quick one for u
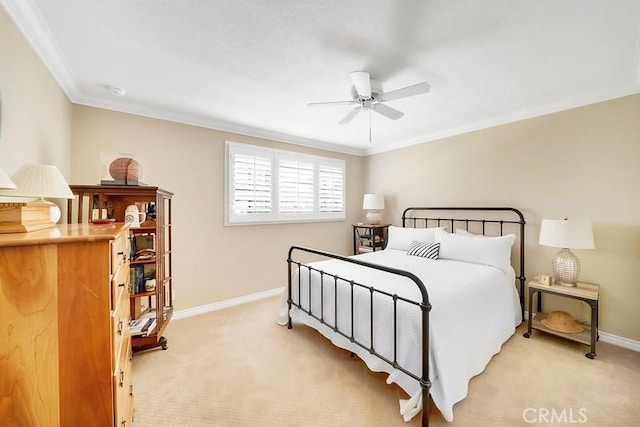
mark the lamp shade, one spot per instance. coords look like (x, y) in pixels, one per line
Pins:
(373, 201)
(39, 181)
(571, 234)
(5, 181)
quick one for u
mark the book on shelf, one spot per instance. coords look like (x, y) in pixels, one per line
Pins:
(365, 249)
(143, 247)
(144, 255)
(137, 279)
(376, 242)
(144, 325)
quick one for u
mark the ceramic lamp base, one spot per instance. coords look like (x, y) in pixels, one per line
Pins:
(374, 217)
(566, 267)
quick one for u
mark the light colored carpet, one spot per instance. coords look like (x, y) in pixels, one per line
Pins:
(237, 367)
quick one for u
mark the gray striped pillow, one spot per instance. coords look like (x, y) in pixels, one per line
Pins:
(424, 250)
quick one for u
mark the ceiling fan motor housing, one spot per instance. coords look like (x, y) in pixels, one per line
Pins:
(376, 91)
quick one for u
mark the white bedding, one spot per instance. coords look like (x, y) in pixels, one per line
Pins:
(475, 309)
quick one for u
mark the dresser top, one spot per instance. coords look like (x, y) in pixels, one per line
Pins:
(66, 233)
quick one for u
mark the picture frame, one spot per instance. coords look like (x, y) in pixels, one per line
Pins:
(544, 279)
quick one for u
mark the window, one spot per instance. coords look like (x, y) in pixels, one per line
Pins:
(268, 185)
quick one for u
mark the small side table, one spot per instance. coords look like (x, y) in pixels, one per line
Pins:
(586, 292)
(369, 237)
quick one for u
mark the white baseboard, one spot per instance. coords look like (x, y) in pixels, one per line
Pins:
(619, 341)
(608, 338)
(207, 308)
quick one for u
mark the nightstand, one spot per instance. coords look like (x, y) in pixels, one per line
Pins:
(586, 292)
(369, 237)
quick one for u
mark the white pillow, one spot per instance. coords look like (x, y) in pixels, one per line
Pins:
(493, 251)
(400, 238)
(464, 232)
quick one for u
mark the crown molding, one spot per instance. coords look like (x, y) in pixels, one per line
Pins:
(30, 23)
(27, 18)
(212, 123)
(506, 119)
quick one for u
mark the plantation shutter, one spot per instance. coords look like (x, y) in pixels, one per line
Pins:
(265, 185)
(296, 187)
(331, 191)
(251, 184)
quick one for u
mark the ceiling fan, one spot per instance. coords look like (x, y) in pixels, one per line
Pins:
(367, 95)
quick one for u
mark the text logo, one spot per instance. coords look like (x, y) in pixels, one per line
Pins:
(555, 415)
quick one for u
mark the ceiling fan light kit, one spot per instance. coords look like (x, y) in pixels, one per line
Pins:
(367, 95)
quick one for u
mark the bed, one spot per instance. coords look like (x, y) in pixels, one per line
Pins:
(430, 322)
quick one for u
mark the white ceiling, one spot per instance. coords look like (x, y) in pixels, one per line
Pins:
(251, 66)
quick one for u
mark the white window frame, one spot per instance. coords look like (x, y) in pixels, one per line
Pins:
(234, 218)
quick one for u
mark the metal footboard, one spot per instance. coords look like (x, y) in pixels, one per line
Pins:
(423, 305)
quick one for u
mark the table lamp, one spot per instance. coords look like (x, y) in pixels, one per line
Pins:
(37, 182)
(567, 235)
(373, 203)
(5, 181)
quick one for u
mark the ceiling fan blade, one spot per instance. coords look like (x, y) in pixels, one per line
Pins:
(329, 104)
(350, 116)
(362, 82)
(387, 111)
(412, 90)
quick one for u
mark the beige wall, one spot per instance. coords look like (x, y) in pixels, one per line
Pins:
(582, 164)
(211, 262)
(35, 124)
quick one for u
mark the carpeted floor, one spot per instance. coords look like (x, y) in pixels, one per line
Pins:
(237, 367)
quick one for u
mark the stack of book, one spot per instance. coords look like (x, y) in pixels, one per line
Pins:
(367, 242)
(144, 325)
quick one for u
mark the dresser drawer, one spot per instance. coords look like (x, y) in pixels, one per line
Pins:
(120, 252)
(123, 389)
(120, 286)
(121, 332)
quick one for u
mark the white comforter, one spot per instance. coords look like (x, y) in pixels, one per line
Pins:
(475, 309)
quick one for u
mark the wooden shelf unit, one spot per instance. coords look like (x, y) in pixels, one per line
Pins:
(113, 200)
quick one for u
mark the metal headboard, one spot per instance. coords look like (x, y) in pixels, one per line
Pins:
(424, 216)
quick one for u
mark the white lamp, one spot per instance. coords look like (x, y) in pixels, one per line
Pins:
(5, 181)
(373, 203)
(34, 181)
(566, 234)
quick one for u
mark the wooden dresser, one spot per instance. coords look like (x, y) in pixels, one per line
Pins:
(65, 347)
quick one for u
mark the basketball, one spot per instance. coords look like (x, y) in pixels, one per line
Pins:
(125, 169)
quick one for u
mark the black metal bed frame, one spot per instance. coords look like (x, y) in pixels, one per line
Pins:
(424, 305)
(501, 222)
